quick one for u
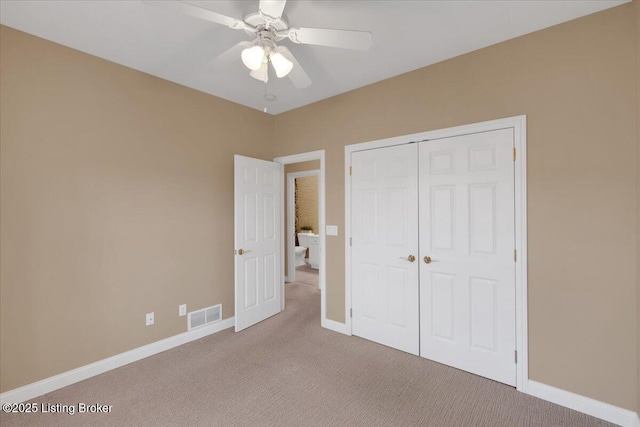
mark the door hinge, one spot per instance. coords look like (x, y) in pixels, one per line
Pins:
(350, 241)
(516, 356)
(351, 312)
(515, 255)
(514, 154)
(350, 170)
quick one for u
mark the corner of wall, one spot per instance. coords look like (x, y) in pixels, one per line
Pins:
(272, 136)
(637, 28)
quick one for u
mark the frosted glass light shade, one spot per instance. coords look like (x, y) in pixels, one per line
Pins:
(281, 64)
(252, 57)
(261, 73)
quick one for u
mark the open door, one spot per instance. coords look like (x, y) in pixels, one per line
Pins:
(258, 274)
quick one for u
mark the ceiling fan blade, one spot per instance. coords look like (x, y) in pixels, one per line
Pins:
(272, 8)
(297, 75)
(347, 39)
(198, 12)
(230, 55)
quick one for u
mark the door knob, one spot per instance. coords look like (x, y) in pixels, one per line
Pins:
(242, 251)
(428, 260)
(411, 258)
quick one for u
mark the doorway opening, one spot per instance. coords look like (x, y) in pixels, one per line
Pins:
(303, 236)
(302, 245)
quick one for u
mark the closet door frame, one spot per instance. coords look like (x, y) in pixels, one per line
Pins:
(519, 126)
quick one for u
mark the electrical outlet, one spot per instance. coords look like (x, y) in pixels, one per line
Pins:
(150, 318)
(182, 310)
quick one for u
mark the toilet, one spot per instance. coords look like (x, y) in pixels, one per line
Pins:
(311, 241)
(301, 251)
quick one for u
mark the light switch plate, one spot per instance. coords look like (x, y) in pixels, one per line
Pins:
(332, 230)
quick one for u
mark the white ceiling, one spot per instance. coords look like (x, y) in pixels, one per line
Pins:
(407, 35)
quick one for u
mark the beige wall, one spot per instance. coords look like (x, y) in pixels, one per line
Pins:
(116, 200)
(575, 82)
(291, 168)
(302, 166)
(307, 202)
(637, 7)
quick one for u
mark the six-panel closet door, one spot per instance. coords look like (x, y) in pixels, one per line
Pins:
(433, 269)
(467, 266)
(384, 206)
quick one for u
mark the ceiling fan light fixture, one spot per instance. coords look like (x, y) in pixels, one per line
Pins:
(268, 26)
(261, 73)
(252, 57)
(281, 64)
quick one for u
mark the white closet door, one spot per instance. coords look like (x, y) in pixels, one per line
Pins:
(385, 236)
(258, 276)
(467, 292)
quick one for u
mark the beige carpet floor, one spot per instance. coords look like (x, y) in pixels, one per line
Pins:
(307, 275)
(288, 371)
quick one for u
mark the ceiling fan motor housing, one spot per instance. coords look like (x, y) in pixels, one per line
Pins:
(266, 40)
(256, 20)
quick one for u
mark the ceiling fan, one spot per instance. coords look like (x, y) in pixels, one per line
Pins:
(269, 26)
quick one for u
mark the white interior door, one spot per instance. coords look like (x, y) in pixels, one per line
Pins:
(467, 291)
(258, 273)
(384, 228)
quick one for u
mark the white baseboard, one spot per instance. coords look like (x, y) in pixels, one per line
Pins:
(335, 326)
(64, 379)
(586, 405)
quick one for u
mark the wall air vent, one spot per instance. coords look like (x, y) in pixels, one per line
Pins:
(205, 316)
